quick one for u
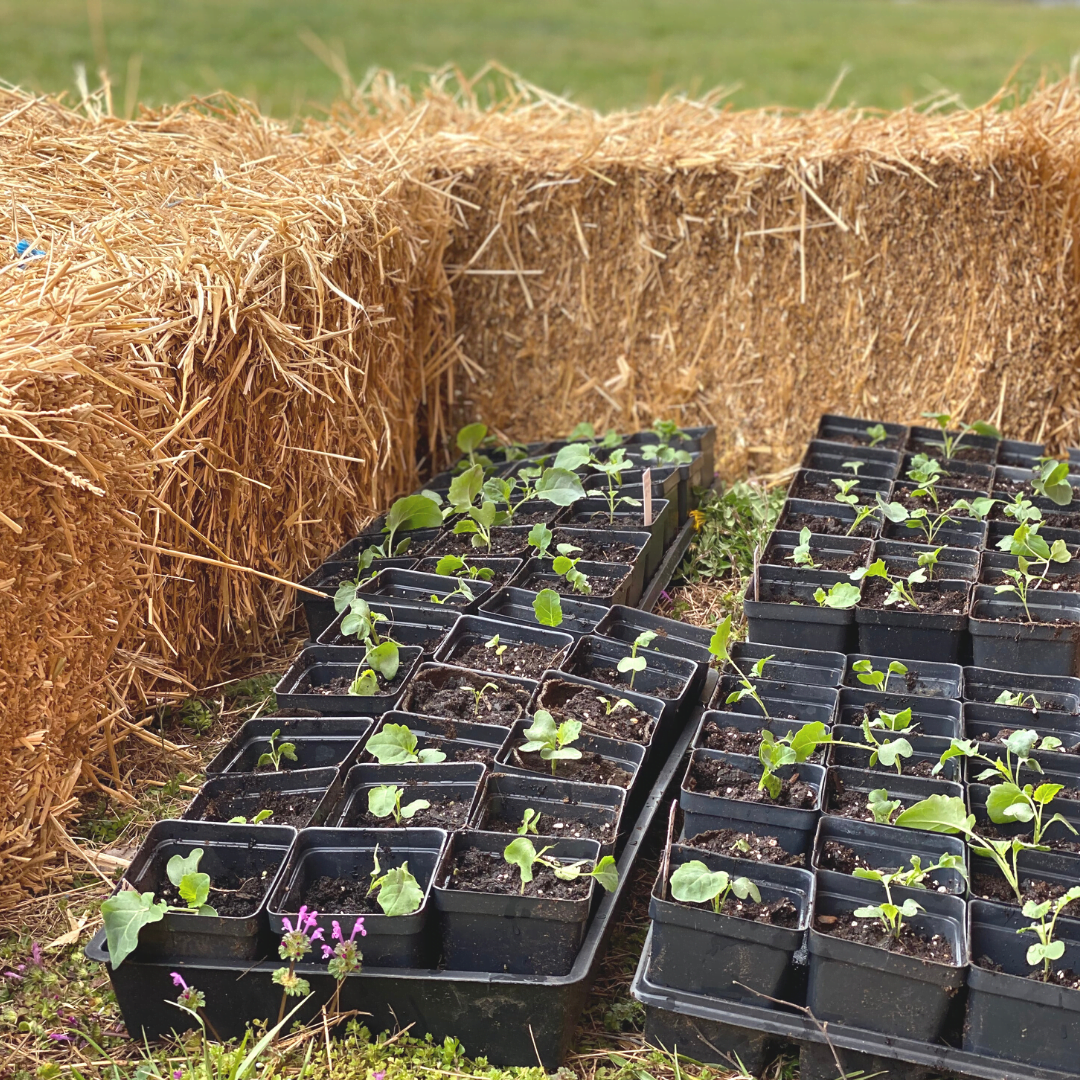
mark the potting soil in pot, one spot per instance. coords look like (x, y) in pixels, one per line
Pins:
(456, 698)
(590, 768)
(709, 776)
(551, 825)
(288, 807)
(526, 660)
(489, 872)
(231, 896)
(624, 722)
(744, 845)
(872, 932)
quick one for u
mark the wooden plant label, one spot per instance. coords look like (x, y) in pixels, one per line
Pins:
(646, 496)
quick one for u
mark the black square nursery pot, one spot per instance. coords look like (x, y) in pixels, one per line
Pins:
(929, 716)
(508, 932)
(320, 742)
(408, 623)
(451, 787)
(985, 723)
(806, 667)
(459, 740)
(834, 427)
(677, 682)
(842, 844)
(902, 558)
(740, 733)
(830, 457)
(973, 450)
(675, 638)
(781, 610)
(868, 987)
(787, 701)
(567, 809)
(348, 856)
(503, 570)
(961, 532)
(247, 860)
(697, 950)
(516, 605)
(539, 648)
(1055, 693)
(916, 635)
(319, 611)
(793, 826)
(838, 554)
(419, 588)
(818, 486)
(612, 545)
(447, 691)
(922, 679)
(826, 519)
(1012, 1016)
(297, 797)
(926, 753)
(611, 583)
(605, 761)
(323, 666)
(1002, 638)
(595, 514)
(847, 789)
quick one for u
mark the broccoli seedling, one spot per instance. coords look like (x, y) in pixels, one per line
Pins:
(456, 566)
(585, 432)
(362, 622)
(524, 856)
(397, 891)
(1033, 558)
(900, 590)
(877, 434)
(897, 721)
(1052, 481)
(1022, 510)
(496, 646)
(951, 443)
(842, 595)
(277, 753)
(478, 695)
(718, 646)
(928, 560)
(889, 753)
(879, 680)
(553, 743)
(791, 749)
(1018, 700)
(125, 913)
(881, 806)
(529, 822)
(547, 607)
(258, 819)
(384, 660)
(800, 555)
(634, 663)
(385, 801)
(694, 883)
(395, 744)
(479, 514)
(927, 474)
(611, 705)
(613, 469)
(540, 537)
(747, 689)
(662, 452)
(1047, 949)
(566, 567)
(889, 914)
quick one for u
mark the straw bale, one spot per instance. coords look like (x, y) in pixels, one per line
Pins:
(755, 269)
(233, 349)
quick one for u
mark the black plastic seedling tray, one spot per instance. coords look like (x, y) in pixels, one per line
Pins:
(511, 1019)
(712, 1030)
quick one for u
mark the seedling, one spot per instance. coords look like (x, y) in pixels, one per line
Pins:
(566, 567)
(891, 915)
(928, 560)
(557, 485)
(547, 607)
(479, 513)
(951, 443)
(877, 434)
(844, 494)
(791, 749)
(862, 512)
(277, 753)
(611, 705)
(258, 819)
(879, 680)
(634, 663)
(881, 806)
(718, 646)
(397, 891)
(524, 856)
(895, 721)
(1052, 481)
(1018, 700)
(127, 912)
(1033, 558)
(469, 440)
(585, 432)
(666, 431)
(553, 743)
(915, 876)
(456, 566)
(613, 470)
(460, 589)
(948, 814)
(801, 556)
(927, 474)
(1046, 950)
(1022, 510)
(496, 647)
(1009, 801)
(385, 801)
(479, 695)
(888, 753)
(384, 660)
(977, 508)
(900, 590)
(395, 744)
(694, 883)
(412, 512)
(529, 822)
(361, 621)
(540, 537)
(842, 595)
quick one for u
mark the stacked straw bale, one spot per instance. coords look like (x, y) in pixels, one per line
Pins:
(231, 349)
(755, 269)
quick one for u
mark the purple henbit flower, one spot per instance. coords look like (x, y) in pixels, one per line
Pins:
(178, 980)
(35, 954)
(57, 1036)
(177, 1074)
(327, 952)
(380, 1075)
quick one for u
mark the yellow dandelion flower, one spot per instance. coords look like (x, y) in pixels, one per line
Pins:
(699, 519)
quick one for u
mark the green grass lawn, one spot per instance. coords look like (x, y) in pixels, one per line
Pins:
(605, 53)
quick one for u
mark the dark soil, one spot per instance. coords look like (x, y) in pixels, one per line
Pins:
(780, 912)
(991, 832)
(444, 813)
(601, 520)
(627, 723)
(852, 804)
(502, 543)
(1065, 977)
(732, 740)
(1003, 734)
(341, 896)
(875, 590)
(827, 526)
(602, 587)
(429, 643)
(740, 845)
(844, 860)
(965, 452)
(910, 766)
(872, 932)
(600, 672)
(526, 660)
(590, 768)
(1052, 519)
(596, 549)
(1056, 583)
(290, 807)
(825, 560)
(1066, 620)
(995, 887)
(552, 825)
(711, 777)
(497, 580)
(854, 439)
(339, 686)
(488, 872)
(460, 751)
(444, 693)
(534, 515)
(231, 896)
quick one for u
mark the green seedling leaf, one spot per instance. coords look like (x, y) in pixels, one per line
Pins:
(398, 892)
(540, 537)
(385, 659)
(694, 883)
(178, 867)
(631, 663)
(718, 644)
(573, 456)
(607, 874)
(1006, 804)
(522, 854)
(382, 801)
(559, 487)
(548, 608)
(194, 889)
(366, 684)
(470, 437)
(881, 806)
(841, 596)
(413, 512)
(124, 916)
(395, 744)
(938, 813)
(450, 564)
(530, 821)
